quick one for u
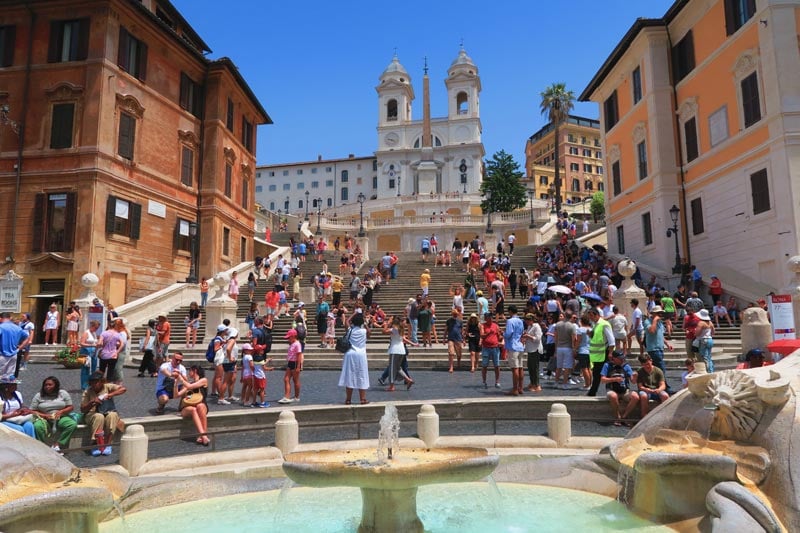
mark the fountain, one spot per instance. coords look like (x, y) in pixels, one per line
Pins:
(389, 481)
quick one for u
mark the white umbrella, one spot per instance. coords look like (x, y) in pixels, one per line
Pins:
(560, 289)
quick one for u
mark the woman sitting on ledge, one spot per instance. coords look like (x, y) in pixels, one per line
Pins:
(187, 388)
(53, 407)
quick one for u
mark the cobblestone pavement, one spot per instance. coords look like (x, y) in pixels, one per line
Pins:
(318, 388)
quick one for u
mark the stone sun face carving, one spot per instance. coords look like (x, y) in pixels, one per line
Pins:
(739, 409)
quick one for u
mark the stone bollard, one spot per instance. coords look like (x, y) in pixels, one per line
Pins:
(133, 449)
(559, 424)
(756, 329)
(428, 425)
(287, 432)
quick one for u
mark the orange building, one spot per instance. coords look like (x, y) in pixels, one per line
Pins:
(118, 140)
(580, 159)
(699, 111)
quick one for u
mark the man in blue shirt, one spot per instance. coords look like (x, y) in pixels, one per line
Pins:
(426, 248)
(617, 376)
(12, 338)
(515, 350)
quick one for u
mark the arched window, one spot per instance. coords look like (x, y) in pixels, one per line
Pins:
(576, 184)
(416, 143)
(300, 204)
(462, 103)
(391, 109)
(437, 141)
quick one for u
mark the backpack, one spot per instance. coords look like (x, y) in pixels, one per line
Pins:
(210, 353)
(301, 330)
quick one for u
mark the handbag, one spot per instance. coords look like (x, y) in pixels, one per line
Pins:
(343, 343)
(192, 398)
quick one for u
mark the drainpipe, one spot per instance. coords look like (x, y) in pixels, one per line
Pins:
(682, 199)
(200, 159)
(21, 138)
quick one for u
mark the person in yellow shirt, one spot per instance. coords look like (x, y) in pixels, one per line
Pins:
(424, 281)
(336, 288)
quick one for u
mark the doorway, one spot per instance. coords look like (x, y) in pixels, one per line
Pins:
(51, 291)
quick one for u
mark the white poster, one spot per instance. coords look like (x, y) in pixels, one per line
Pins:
(782, 316)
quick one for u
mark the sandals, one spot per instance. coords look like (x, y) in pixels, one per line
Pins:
(364, 402)
(203, 440)
(347, 402)
(409, 383)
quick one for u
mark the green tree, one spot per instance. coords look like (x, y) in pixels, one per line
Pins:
(598, 205)
(501, 186)
(556, 103)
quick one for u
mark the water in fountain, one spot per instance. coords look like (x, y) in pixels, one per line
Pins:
(389, 433)
(702, 422)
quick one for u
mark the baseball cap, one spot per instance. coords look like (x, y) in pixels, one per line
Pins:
(656, 309)
(488, 315)
(247, 346)
(292, 333)
(618, 354)
(221, 328)
(233, 332)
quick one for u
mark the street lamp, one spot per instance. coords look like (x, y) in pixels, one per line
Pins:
(531, 194)
(674, 211)
(193, 251)
(319, 213)
(306, 217)
(361, 199)
(489, 229)
(551, 195)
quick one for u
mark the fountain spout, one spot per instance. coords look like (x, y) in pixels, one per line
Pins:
(389, 433)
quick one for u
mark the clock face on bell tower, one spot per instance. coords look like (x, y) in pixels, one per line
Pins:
(391, 139)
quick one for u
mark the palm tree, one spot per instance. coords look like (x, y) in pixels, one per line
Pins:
(556, 103)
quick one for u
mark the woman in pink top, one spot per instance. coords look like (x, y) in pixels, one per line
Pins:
(294, 365)
(110, 344)
(233, 287)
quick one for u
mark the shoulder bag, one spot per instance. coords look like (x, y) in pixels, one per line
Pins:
(343, 343)
(192, 398)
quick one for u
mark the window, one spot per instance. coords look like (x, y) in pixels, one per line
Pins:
(611, 111)
(543, 180)
(182, 241)
(330, 202)
(299, 171)
(344, 194)
(462, 103)
(641, 157)
(374, 165)
(54, 219)
(576, 185)
(285, 172)
(247, 134)
(228, 186)
(751, 105)
(61, 126)
(132, 55)
(271, 174)
(187, 166)
(391, 183)
(328, 169)
(272, 206)
(696, 207)
(243, 249)
(69, 40)
(226, 241)
(598, 155)
(759, 187)
(574, 167)
(616, 178)
(127, 135)
(584, 141)
(620, 240)
(587, 153)
(273, 188)
(391, 110)
(315, 185)
(588, 185)
(597, 143)
(636, 82)
(573, 150)
(647, 229)
(300, 204)
(245, 194)
(570, 138)
(598, 170)
(690, 138)
(329, 183)
(601, 186)
(737, 12)
(123, 217)
(286, 204)
(374, 182)
(587, 168)
(229, 116)
(345, 176)
(301, 185)
(259, 188)
(8, 36)
(314, 170)
(191, 96)
(287, 186)
(683, 57)
(718, 125)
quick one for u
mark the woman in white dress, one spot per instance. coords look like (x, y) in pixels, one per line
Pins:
(355, 372)
(50, 326)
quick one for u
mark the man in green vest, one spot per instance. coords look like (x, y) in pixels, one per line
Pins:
(601, 344)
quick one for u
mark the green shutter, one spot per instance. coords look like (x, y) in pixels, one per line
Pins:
(136, 220)
(111, 209)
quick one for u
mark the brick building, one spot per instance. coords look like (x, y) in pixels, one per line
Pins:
(119, 139)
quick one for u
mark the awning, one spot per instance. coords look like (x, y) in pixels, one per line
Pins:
(54, 295)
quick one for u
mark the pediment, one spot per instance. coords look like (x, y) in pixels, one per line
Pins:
(51, 261)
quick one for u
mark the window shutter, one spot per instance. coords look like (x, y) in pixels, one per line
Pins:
(10, 34)
(111, 209)
(61, 127)
(142, 61)
(83, 39)
(184, 97)
(127, 132)
(56, 35)
(39, 210)
(136, 220)
(70, 221)
(176, 235)
(730, 17)
(122, 49)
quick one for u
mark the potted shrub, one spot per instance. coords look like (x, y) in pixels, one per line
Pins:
(70, 357)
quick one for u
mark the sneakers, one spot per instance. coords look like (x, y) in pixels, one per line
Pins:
(485, 386)
(233, 399)
(264, 404)
(382, 381)
(56, 448)
(285, 400)
(96, 452)
(107, 450)
(223, 401)
(497, 385)
(297, 400)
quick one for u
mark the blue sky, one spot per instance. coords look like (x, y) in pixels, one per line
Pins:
(314, 65)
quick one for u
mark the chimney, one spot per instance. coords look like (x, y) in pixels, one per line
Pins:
(351, 156)
(319, 157)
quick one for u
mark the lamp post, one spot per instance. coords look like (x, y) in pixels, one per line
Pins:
(531, 194)
(361, 199)
(674, 211)
(319, 214)
(193, 251)
(551, 195)
(306, 217)
(398, 185)
(489, 229)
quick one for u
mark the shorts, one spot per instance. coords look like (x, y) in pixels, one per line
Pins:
(490, 353)
(626, 396)
(248, 380)
(516, 359)
(474, 345)
(163, 392)
(259, 383)
(353, 295)
(669, 316)
(291, 365)
(565, 358)
(229, 367)
(583, 361)
(651, 396)
(426, 250)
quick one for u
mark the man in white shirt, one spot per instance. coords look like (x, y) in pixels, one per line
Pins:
(510, 240)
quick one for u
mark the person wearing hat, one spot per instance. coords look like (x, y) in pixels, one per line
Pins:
(483, 305)
(654, 337)
(617, 375)
(753, 359)
(100, 413)
(703, 337)
(424, 282)
(294, 366)
(15, 415)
